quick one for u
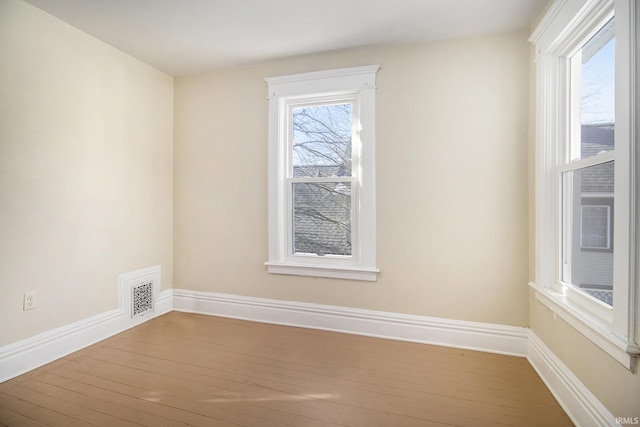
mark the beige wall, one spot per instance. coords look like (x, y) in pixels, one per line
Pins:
(612, 384)
(86, 185)
(452, 126)
(85, 171)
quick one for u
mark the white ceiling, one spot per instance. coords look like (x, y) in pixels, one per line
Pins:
(183, 37)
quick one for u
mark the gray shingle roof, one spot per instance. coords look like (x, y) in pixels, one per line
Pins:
(595, 139)
(322, 214)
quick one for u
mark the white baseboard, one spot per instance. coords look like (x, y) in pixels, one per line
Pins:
(510, 340)
(25, 355)
(163, 303)
(579, 403)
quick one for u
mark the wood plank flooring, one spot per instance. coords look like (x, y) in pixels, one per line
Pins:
(185, 369)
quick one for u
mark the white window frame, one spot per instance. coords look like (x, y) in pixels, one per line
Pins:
(567, 24)
(356, 85)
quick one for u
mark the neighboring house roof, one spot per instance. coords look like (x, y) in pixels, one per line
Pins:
(322, 213)
(595, 139)
(596, 136)
(314, 171)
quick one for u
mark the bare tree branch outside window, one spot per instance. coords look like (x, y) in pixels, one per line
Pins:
(322, 144)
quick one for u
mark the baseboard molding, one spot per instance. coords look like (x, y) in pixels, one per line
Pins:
(579, 403)
(509, 340)
(163, 303)
(25, 355)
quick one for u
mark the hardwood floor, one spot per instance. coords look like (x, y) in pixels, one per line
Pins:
(185, 369)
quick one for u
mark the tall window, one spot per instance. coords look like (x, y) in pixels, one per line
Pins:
(587, 204)
(587, 171)
(321, 174)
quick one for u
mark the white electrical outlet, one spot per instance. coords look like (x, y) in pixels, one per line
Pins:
(29, 302)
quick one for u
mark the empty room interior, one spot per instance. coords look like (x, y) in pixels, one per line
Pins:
(411, 212)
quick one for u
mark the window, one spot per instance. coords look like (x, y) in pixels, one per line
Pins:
(321, 174)
(586, 209)
(320, 177)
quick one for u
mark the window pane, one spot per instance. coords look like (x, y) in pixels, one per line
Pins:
(322, 218)
(595, 227)
(588, 230)
(597, 99)
(322, 140)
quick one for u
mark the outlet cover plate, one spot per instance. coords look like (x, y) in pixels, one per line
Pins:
(29, 301)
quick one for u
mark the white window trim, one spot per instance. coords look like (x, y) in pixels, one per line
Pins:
(358, 83)
(615, 330)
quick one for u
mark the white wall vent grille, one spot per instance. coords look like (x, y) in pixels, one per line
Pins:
(141, 299)
(137, 291)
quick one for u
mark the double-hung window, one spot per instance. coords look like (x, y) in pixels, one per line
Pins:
(587, 169)
(321, 174)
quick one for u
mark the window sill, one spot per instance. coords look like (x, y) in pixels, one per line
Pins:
(367, 274)
(593, 328)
